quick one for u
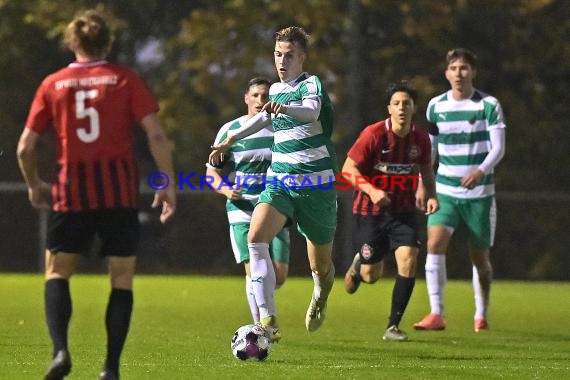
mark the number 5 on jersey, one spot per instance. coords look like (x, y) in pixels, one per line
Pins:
(87, 136)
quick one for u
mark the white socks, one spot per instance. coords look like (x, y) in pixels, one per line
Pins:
(323, 286)
(251, 299)
(262, 278)
(482, 290)
(436, 278)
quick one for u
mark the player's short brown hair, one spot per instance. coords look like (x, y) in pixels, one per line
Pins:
(293, 34)
(462, 54)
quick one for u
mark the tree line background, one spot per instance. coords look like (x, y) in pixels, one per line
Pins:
(198, 55)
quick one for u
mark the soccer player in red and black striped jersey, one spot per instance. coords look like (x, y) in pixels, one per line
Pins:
(93, 107)
(382, 166)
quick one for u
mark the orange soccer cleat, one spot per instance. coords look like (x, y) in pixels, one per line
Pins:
(431, 322)
(481, 325)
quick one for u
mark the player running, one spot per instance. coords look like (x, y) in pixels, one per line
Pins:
(388, 154)
(302, 154)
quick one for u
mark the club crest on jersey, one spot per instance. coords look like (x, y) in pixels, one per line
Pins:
(413, 152)
(280, 123)
(366, 251)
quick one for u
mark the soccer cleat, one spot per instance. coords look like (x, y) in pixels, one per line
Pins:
(316, 314)
(274, 333)
(317, 311)
(60, 366)
(481, 325)
(431, 322)
(395, 334)
(107, 374)
(352, 279)
(269, 323)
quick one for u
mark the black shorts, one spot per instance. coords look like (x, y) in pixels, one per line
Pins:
(74, 232)
(373, 236)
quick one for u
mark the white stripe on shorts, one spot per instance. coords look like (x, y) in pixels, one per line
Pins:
(493, 221)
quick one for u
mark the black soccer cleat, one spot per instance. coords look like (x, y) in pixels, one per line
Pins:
(60, 366)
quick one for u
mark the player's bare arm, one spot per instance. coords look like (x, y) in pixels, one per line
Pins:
(420, 197)
(38, 190)
(161, 150)
(226, 190)
(218, 151)
(352, 173)
(429, 194)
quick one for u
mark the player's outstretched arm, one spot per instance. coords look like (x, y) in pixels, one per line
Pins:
(252, 125)
(218, 151)
(308, 111)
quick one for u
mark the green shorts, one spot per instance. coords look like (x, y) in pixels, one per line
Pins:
(478, 215)
(278, 249)
(313, 209)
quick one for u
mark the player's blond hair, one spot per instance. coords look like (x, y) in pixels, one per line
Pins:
(88, 33)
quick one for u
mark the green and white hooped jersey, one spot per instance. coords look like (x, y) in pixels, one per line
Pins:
(463, 140)
(302, 152)
(247, 161)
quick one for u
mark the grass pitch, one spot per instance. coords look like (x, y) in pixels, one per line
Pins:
(182, 328)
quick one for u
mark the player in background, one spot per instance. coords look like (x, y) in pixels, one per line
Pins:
(245, 166)
(302, 157)
(382, 166)
(92, 106)
(468, 135)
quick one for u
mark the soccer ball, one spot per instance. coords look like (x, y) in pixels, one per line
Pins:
(251, 342)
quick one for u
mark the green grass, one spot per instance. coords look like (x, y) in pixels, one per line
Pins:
(182, 328)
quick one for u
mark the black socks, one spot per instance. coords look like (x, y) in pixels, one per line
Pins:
(401, 295)
(117, 318)
(117, 321)
(58, 311)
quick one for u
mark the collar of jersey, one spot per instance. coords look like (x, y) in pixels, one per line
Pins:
(300, 78)
(88, 64)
